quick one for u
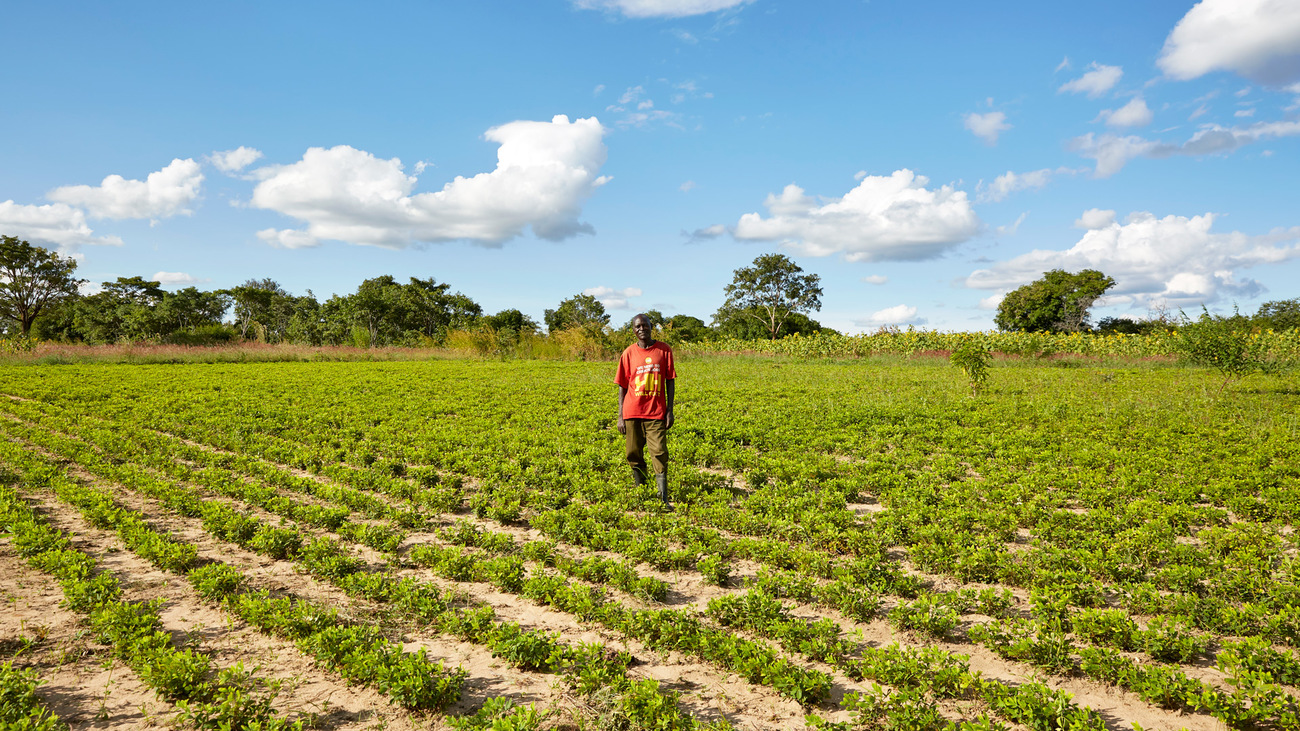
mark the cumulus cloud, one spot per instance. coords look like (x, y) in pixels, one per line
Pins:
(1134, 114)
(613, 299)
(896, 315)
(163, 193)
(232, 161)
(660, 8)
(172, 279)
(1112, 153)
(1095, 218)
(875, 279)
(987, 127)
(1013, 182)
(1258, 39)
(1176, 258)
(544, 173)
(884, 218)
(56, 224)
(1097, 81)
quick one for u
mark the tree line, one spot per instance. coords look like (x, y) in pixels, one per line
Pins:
(40, 298)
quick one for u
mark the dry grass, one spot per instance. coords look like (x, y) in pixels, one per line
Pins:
(135, 353)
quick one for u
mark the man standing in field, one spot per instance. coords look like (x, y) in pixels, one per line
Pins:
(645, 403)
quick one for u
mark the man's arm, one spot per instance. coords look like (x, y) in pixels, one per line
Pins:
(668, 421)
(622, 425)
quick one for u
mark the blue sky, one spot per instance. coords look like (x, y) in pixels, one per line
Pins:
(922, 158)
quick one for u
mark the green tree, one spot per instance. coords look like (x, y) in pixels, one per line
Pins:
(262, 307)
(580, 310)
(124, 309)
(770, 291)
(32, 280)
(752, 326)
(512, 320)
(1058, 302)
(685, 329)
(1279, 314)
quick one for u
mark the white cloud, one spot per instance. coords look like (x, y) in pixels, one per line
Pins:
(171, 279)
(896, 315)
(57, 224)
(164, 193)
(1011, 228)
(232, 161)
(1200, 111)
(1243, 91)
(1244, 113)
(660, 8)
(992, 301)
(1064, 65)
(288, 238)
(1095, 218)
(1111, 153)
(883, 218)
(1134, 114)
(1258, 39)
(545, 171)
(1175, 258)
(613, 299)
(987, 127)
(596, 91)
(1011, 182)
(1099, 80)
(687, 187)
(875, 279)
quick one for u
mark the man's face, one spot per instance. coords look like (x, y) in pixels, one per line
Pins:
(641, 327)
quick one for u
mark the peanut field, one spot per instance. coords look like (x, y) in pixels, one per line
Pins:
(457, 544)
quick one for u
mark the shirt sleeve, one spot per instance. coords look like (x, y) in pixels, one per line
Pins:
(670, 372)
(621, 376)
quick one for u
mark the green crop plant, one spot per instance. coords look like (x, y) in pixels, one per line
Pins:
(973, 357)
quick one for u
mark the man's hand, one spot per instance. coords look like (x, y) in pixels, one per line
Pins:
(622, 426)
(668, 421)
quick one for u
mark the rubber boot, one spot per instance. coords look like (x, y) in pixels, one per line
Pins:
(638, 476)
(661, 482)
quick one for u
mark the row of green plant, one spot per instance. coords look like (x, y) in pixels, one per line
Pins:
(1272, 617)
(208, 698)
(20, 706)
(409, 679)
(1113, 487)
(360, 651)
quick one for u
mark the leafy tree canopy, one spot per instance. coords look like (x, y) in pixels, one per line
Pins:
(1058, 302)
(1279, 314)
(770, 292)
(32, 280)
(580, 310)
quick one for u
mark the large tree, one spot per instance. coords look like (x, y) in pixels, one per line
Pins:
(770, 291)
(580, 310)
(32, 279)
(1058, 302)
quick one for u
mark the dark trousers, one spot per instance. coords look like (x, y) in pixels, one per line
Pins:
(647, 438)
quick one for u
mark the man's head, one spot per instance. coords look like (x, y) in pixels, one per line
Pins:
(642, 328)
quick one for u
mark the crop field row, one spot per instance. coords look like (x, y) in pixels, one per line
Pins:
(454, 544)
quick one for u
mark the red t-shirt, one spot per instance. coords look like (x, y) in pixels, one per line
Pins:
(645, 373)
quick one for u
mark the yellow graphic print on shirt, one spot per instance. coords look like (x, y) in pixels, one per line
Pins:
(647, 382)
